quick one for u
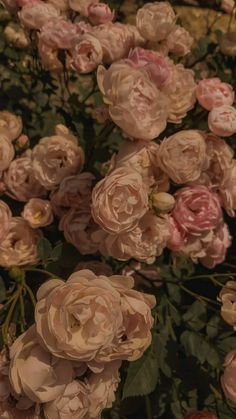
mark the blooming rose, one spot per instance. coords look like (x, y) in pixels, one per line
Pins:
(228, 299)
(81, 6)
(35, 15)
(200, 414)
(38, 212)
(119, 200)
(197, 210)
(228, 44)
(35, 373)
(179, 41)
(155, 20)
(180, 89)
(94, 318)
(183, 156)
(49, 58)
(11, 123)
(9, 411)
(55, 158)
(144, 243)
(228, 6)
(5, 218)
(135, 104)
(228, 378)
(227, 190)
(177, 238)
(216, 249)
(19, 246)
(87, 54)
(58, 33)
(99, 13)
(6, 151)
(212, 93)
(72, 404)
(151, 62)
(222, 121)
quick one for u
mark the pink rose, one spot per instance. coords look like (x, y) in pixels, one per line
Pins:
(228, 299)
(5, 218)
(99, 13)
(135, 104)
(200, 414)
(222, 121)
(20, 180)
(155, 20)
(94, 318)
(35, 373)
(228, 6)
(19, 246)
(58, 33)
(228, 44)
(197, 210)
(227, 190)
(11, 123)
(182, 156)
(151, 62)
(38, 213)
(177, 237)
(81, 6)
(212, 93)
(86, 54)
(34, 16)
(216, 249)
(7, 151)
(228, 378)
(119, 200)
(179, 41)
(49, 58)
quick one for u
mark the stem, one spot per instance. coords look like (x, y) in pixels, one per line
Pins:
(22, 310)
(31, 295)
(148, 407)
(6, 324)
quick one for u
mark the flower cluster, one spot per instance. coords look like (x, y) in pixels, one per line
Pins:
(67, 364)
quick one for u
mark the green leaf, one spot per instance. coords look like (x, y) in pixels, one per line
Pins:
(56, 252)
(212, 328)
(196, 315)
(2, 290)
(198, 347)
(44, 249)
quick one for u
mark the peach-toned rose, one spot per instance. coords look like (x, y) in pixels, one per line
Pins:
(228, 6)
(61, 5)
(212, 93)
(73, 192)
(228, 299)
(5, 218)
(228, 378)
(183, 156)
(9, 411)
(102, 388)
(222, 121)
(20, 180)
(94, 318)
(11, 123)
(197, 210)
(72, 404)
(6, 151)
(217, 248)
(87, 53)
(97, 267)
(22, 3)
(179, 41)
(16, 35)
(34, 16)
(99, 13)
(155, 20)
(38, 212)
(119, 200)
(35, 373)
(56, 157)
(49, 58)
(180, 89)
(81, 6)
(19, 246)
(200, 414)
(58, 33)
(144, 243)
(227, 190)
(135, 104)
(228, 44)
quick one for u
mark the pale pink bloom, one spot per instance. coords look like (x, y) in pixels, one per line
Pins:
(20, 180)
(119, 200)
(34, 16)
(73, 403)
(182, 156)
(56, 157)
(81, 6)
(99, 13)
(228, 378)
(227, 190)
(5, 218)
(62, 5)
(87, 54)
(155, 20)
(179, 41)
(135, 104)
(180, 89)
(222, 121)
(102, 388)
(151, 62)
(197, 210)
(49, 58)
(212, 93)
(228, 6)
(195, 247)
(7, 151)
(73, 192)
(144, 243)
(38, 212)
(177, 238)
(228, 299)
(11, 123)
(59, 33)
(217, 248)
(200, 414)
(228, 44)
(138, 39)
(94, 318)
(97, 267)
(19, 246)
(16, 35)
(35, 373)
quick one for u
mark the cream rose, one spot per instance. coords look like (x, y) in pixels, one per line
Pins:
(212, 93)
(179, 41)
(228, 299)
(6, 151)
(227, 190)
(222, 121)
(155, 20)
(58, 33)
(11, 123)
(35, 15)
(228, 378)
(38, 213)
(5, 219)
(87, 53)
